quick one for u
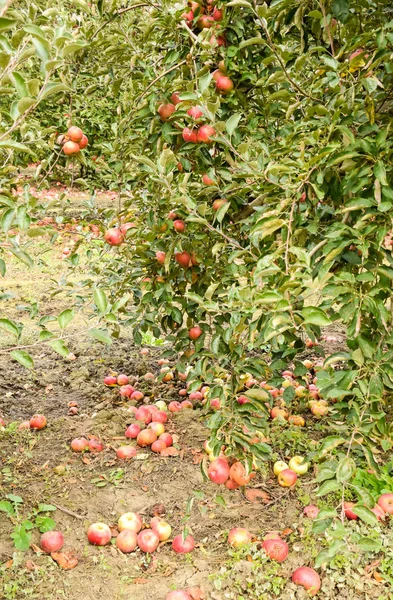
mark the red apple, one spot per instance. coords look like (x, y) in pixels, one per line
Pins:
(95, 445)
(218, 203)
(23, 425)
(196, 395)
(179, 226)
(207, 181)
(125, 452)
(174, 406)
(188, 16)
(183, 545)
(349, 512)
(287, 478)
(239, 537)
(276, 549)
(183, 258)
(126, 541)
(205, 22)
(114, 236)
(158, 428)
(378, 512)
(166, 110)
(215, 403)
(238, 474)
(122, 379)
(311, 511)
(205, 133)
(167, 439)
(51, 541)
(148, 540)
(126, 391)
(99, 534)
(224, 84)
(84, 142)
(160, 256)
(186, 404)
(133, 431)
(75, 134)
(178, 595)
(190, 135)
(307, 578)
(175, 99)
(143, 414)
(217, 14)
(386, 503)
(218, 471)
(243, 400)
(162, 528)
(195, 112)
(38, 422)
(131, 521)
(195, 332)
(159, 416)
(110, 380)
(147, 437)
(79, 444)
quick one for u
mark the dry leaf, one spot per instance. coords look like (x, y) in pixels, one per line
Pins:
(196, 593)
(256, 496)
(171, 451)
(30, 566)
(36, 549)
(65, 560)
(86, 460)
(140, 581)
(8, 564)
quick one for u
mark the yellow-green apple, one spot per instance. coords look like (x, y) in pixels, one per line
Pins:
(238, 537)
(298, 465)
(279, 466)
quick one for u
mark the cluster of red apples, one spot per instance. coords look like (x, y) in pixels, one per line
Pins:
(73, 141)
(133, 534)
(36, 422)
(205, 15)
(220, 471)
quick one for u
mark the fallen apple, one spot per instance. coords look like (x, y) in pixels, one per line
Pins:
(287, 478)
(125, 452)
(51, 541)
(126, 541)
(131, 521)
(79, 444)
(385, 501)
(298, 465)
(307, 578)
(99, 534)
(219, 471)
(162, 528)
(148, 540)
(38, 422)
(276, 549)
(133, 431)
(183, 545)
(238, 537)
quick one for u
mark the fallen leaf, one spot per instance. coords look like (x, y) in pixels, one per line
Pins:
(140, 581)
(196, 593)
(30, 566)
(144, 488)
(65, 560)
(378, 577)
(86, 460)
(157, 510)
(8, 564)
(36, 549)
(171, 451)
(256, 496)
(286, 532)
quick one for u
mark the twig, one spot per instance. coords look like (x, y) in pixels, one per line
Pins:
(121, 12)
(180, 64)
(184, 25)
(68, 511)
(329, 32)
(289, 234)
(5, 8)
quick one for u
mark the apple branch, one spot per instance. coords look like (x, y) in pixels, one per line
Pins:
(180, 64)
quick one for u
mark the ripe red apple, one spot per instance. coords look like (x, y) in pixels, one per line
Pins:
(243, 400)
(215, 404)
(183, 259)
(217, 14)
(287, 478)
(143, 414)
(195, 332)
(238, 474)
(75, 134)
(126, 541)
(205, 133)
(114, 236)
(162, 528)
(207, 181)
(159, 416)
(133, 431)
(218, 471)
(231, 485)
(311, 511)
(122, 379)
(125, 452)
(195, 112)
(174, 406)
(179, 226)
(23, 425)
(158, 428)
(158, 446)
(307, 578)
(218, 203)
(196, 395)
(71, 148)
(146, 438)
(167, 439)
(348, 506)
(99, 534)
(188, 16)
(95, 445)
(166, 110)
(276, 549)
(79, 444)
(178, 595)
(190, 135)
(136, 395)
(205, 22)
(126, 391)
(148, 540)
(186, 404)
(183, 545)
(160, 256)
(51, 541)
(378, 512)
(131, 521)
(175, 99)
(238, 537)
(84, 142)
(224, 84)
(386, 503)
(38, 422)
(110, 380)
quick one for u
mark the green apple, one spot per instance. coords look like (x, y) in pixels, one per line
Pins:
(161, 405)
(279, 466)
(298, 465)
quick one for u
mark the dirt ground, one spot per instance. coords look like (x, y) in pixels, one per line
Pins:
(40, 468)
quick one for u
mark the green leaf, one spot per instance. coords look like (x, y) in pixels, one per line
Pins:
(232, 123)
(23, 358)
(222, 211)
(7, 219)
(9, 327)
(21, 537)
(340, 10)
(346, 470)
(65, 317)
(59, 347)
(53, 88)
(257, 394)
(15, 146)
(315, 316)
(6, 24)
(327, 487)
(204, 82)
(45, 524)
(369, 545)
(101, 335)
(24, 104)
(100, 300)
(380, 172)
(46, 508)
(364, 496)
(42, 49)
(3, 267)
(365, 514)
(20, 84)
(7, 507)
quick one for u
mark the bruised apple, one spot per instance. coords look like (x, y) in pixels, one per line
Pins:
(276, 549)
